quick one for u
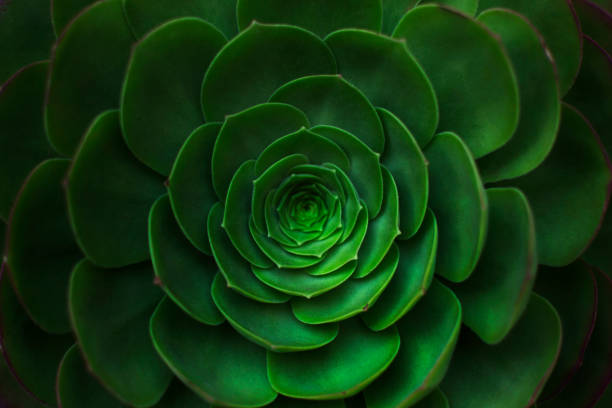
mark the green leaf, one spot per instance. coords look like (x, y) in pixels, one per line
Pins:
(40, 247)
(567, 209)
(190, 185)
(595, 25)
(332, 371)
(351, 206)
(411, 279)
(179, 396)
(352, 297)
(428, 336)
(253, 130)
(331, 100)
(109, 195)
(559, 27)
(393, 11)
(383, 69)
(11, 392)
(382, 230)
(23, 142)
(404, 159)
(160, 97)
(77, 388)
(31, 354)
(480, 373)
(143, 15)
(272, 326)
(87, 68)
(298, 283)
(319, 16)
(364, 173)
(539, 98)
(572, 290)
(22, 45)
(234, 268)
(459, 54)
(462, 224)
(436, 399)
(111, 327)
(284, 402)
(496, 294)
(468, 7)
(214, 361)
(64, 11)
(185, 274)
(256, 62)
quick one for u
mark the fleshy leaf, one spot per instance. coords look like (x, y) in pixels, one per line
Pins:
(109, 195)
(143, 15)
(572, 290)
(568, 210)
(87, 68)
(382, 230)
(185, 274)
(428, 335)
(383, 69)
(179, 396)
(256, 62)
(539, 98)
(496, 294)
(480, 373)
(11, 392)
(404, 159)
(111, 327)
(319, 16)
(468, 7)
(77, 388)
(557, 23)
(458, 54)
(458, 199)
(436, 399)
(332, 371)
(253, 130)
(351, 298)
(411, 280)
(331, 100)
(23, 142)
(298, 283)
(160, 100)
(32, 355)
(214, 361)
(235, 269)
(22, 45)
(272, 326)
(393, 11)
(64, 11)
(190, 185)
(595, 24)
(41, 251)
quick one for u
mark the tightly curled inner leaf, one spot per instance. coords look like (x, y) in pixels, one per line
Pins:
(276, 204)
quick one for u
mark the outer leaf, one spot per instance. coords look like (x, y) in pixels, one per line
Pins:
(479, 374)
(31, 354)
(319, 16)
(468, 7)
(144, 15)
(557, 191)
(160, 98)
(458, 55)
(111, 323)
(179, 396)
(41, 250)
(271, 326)
(462, 223)
(559, 27)
(263, 57)
(11, 392)
(190, 185)
(109, 196)
(428, 335)
(436, 399)
(332, 371)
(88, 64)
(539, 98)
(411, 280)
(393, 11)
(595, 24)
(23, 142)
(185, 274)
(496, 294)
(64, 11)
(214, 361)
(404, 159)
(384, 70)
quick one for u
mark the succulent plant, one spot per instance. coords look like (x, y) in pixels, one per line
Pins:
(322, 203)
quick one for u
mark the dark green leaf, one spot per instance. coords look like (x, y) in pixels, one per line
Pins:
(64, 11)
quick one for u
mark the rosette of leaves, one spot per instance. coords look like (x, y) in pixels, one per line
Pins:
(306, 203)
